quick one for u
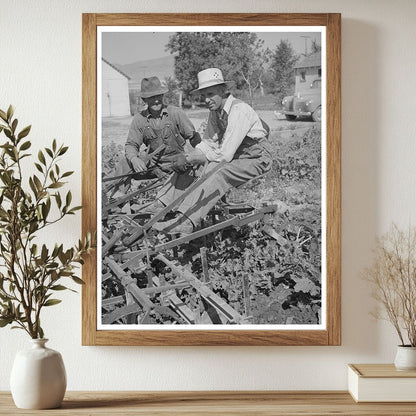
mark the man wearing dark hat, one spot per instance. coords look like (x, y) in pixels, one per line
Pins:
(235, 136)
(162, 129)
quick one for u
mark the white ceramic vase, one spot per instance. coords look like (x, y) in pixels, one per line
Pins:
(38, 377)
(405, 358)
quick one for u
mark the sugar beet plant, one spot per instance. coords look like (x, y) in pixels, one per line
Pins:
(31, 272)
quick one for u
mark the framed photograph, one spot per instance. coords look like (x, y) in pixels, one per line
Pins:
(211, 172)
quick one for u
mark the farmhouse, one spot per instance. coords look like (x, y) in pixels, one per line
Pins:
(307, 70)
(115, 91)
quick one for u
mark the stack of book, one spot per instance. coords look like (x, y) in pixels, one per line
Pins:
(381, 383)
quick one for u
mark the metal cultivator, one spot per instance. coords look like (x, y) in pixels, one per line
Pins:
(133, 293)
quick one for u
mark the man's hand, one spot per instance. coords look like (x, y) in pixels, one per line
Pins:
(179, 163)
(196, 157)
(138, 164)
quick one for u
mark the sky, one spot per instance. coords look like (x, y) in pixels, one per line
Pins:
(128, 47)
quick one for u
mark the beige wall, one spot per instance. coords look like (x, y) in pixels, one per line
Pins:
(40, 74)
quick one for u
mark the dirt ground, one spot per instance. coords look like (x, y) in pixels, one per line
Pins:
(115, 129)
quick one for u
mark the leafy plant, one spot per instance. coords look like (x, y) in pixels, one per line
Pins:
(111, 156)
(271, 278)
(393, 276)
(30, 272)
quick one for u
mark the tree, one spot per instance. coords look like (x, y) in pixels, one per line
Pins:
(244, 60)
(316, 47)
(171, 97)
(283, 62)
(193, 51)
(240, 55)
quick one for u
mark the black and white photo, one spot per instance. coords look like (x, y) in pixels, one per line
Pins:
(244, 247)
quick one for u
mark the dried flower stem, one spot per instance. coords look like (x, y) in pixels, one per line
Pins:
(393, 276)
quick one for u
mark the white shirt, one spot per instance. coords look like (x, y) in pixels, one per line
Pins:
(242, 121)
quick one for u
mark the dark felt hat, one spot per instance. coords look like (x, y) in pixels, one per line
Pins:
(151, 87)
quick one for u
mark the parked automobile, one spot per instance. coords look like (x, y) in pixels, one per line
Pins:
(304, 104)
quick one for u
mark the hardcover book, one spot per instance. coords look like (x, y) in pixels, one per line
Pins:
(381, 383)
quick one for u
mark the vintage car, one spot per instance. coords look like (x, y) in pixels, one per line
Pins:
(304, 104)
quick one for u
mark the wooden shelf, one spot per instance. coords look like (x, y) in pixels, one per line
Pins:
(222, 403)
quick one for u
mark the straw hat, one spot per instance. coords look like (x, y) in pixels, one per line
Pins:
(210, 77)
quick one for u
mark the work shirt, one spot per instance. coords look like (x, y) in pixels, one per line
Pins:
(172, 128)
(227, 129)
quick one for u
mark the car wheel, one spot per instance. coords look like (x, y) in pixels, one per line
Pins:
(290, 117)
(316, 115)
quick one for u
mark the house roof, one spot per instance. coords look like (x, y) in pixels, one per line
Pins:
(117, 69)
(309, 61)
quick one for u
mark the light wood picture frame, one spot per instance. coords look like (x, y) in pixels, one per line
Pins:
(329, 330)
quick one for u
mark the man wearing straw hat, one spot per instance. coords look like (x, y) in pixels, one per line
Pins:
(162, 129)
(235, 136)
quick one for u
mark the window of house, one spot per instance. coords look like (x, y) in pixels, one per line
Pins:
(302, 76)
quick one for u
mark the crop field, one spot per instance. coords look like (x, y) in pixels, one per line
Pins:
(269, 271)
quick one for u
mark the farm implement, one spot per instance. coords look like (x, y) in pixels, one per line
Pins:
(143, 280)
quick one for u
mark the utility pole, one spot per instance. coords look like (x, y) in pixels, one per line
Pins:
(306, 43)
